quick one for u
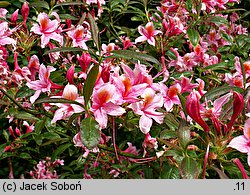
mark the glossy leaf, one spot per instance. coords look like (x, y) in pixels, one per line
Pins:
(127, 54)
(183, 133)
(193, 36)
(219, 91)
(64, 49)
(94, 31)
(90, 133)
(40, 4)
(58, 100)
(90, 83)
(60, 150)
(189, 168)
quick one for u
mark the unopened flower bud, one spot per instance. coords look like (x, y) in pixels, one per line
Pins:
(70, 74)
(238, 105)
(84, 61)
(14, 17)
(193, 110)
(25, 12)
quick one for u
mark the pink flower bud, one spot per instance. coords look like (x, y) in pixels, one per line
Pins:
(18, 132)
(68, 23)
(14, 17)
(84, 61)
(238, 106)
(12, 132)
(193, 109)
(25, 12)
(70, 74)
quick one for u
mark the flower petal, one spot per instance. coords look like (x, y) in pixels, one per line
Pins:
(240, 143)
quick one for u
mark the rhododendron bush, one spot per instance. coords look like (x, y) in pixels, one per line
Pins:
(124, 89)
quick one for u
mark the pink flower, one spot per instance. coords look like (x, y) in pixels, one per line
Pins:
(149, 142)
(147, 33)
(33, 66)
(5, 32)
(44, 84)
(70, 92)
(79, 36)
(105, 103)
(242, 142)
(170, 95)
(48, 29)
(147, 109)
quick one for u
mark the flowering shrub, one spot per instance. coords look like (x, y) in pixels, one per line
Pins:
(124, 89)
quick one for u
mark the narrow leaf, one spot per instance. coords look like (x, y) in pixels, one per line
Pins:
(127, 54)
(40, 4)
(90, 133)
(219, 91)
(193, 36)
(90, 83)
(217, 20)
(58, 100)
(64, 49)
(69, 3)
(4, 3)
(60, 150)
(94, 31)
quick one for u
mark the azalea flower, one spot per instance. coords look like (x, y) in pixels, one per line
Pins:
(147, 33)
(44, 84)
(5, 32)
(70, 92)
(80, 35)
(147, 109)
(242, 142)
(48, 29)
(105, 103)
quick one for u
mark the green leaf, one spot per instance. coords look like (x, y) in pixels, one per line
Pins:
(189, 168)
(64, 49)
(171, 121)
(58, 100)
(226, 37)
(4, 3)
(67, 16)
(168, 134)
(90, 83)
(38, 139)
(40, 4)
(2, 147)
(219, 91)
(94, 31)
(51, 135)
(40, 125)
(193, 36)
(183, 103)
(169, 172)
(90, 133)
(221, 65)
(60, 150)
(183, 133)
(69, 3)
(25, 116)
(24, 155)
(24, 91)
(127, 54)
(217, 20)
